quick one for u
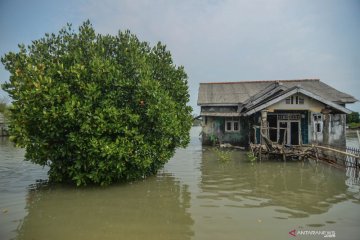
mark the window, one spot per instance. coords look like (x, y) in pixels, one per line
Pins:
(236, 126)
(318, 127)
(301, 100)
(295, 100)
(317, 117)
(288, 100)
(229, 126)
(232, 125)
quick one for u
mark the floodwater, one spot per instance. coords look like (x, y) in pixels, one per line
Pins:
(352, 139)
(199, 194)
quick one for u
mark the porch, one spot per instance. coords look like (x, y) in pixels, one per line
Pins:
(283, 127)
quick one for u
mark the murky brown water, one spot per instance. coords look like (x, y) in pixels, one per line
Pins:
(352, 139)
(195, 196)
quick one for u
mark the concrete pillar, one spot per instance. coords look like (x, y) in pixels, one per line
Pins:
(326, 126)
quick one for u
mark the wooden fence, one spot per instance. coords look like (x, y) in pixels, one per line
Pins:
(352, 163)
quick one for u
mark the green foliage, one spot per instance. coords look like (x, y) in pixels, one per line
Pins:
(213, 139)
(97, 108)
(352, 117)
(354, 125)
(223, 155)
(5, 109)
(2, 107)
(251, 156)
(7, 113)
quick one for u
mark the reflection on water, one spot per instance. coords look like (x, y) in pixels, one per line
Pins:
(16, 176)
(303, 188)
(150, 209)
(243, 200)
(352, 139)
(195, 196)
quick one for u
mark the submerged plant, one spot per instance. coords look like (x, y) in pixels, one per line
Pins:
(213, 139)
(223, 155)
(251, 156)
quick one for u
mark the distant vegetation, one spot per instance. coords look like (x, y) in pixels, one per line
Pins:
(5, 109)
(353, 120)
(97, 108)
(2, 106)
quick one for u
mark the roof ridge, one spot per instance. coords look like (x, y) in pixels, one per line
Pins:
(266, 81)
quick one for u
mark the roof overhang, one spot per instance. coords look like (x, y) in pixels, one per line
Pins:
(220, 114)
(218, 104)
(292, 92)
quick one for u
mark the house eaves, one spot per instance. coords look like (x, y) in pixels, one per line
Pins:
(220, 114)
(292, 92)
(218, 104)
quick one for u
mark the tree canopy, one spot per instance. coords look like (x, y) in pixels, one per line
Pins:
(353, 117)
(97, 108)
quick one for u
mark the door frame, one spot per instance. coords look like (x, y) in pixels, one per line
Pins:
(288, 130)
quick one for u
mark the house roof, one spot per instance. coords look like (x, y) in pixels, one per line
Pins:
(234, 93)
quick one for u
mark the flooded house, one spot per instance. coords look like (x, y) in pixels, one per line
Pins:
(292, 112)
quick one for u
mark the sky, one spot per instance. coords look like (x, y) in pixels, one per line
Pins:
(215, 40)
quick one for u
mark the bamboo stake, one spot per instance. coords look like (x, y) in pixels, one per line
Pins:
(260, 153)
(317, 155)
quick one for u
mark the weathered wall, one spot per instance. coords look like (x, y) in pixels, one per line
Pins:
(333, 132)
(214, 128)
(210, 129)
(337, 130)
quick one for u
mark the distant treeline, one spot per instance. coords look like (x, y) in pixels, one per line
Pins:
(352, 120)
(5, 109)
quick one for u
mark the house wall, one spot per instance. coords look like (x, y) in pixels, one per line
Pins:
(213, 130)
(316, 137)
(337, 130)
(333, 132)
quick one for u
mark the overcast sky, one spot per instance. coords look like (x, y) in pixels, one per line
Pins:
(215, 40)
